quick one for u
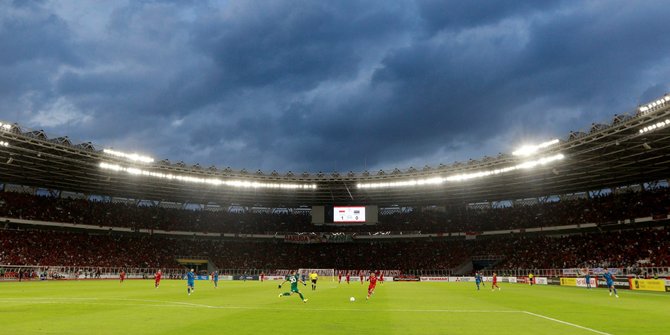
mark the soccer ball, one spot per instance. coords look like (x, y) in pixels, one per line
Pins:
(352, 299)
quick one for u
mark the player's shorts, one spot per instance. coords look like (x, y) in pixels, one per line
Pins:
(295, 289)
(313, 281)
(191, 284)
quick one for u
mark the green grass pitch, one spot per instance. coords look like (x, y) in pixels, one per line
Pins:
(236, 307)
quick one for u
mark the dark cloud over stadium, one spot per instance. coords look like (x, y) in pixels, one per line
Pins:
(327, 86)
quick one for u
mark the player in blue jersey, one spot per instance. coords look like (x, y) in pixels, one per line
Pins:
(478, 280)
(587, 278)
(215, 279)
(609, 279)
(190, 282)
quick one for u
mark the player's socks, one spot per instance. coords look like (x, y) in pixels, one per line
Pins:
(302, 297)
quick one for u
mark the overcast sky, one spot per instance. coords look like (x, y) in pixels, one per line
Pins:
(327, 85)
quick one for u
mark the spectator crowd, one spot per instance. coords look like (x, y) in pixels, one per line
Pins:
(648, 247)
(610, 208)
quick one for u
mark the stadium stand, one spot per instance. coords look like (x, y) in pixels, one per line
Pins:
(596, 198)
(650, 247)
(604, 209)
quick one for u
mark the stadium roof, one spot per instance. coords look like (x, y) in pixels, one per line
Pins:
(631, 149)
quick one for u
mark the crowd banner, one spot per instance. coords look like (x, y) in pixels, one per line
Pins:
(581, 282)
(647, 284)
(622, 283)
(438, 279)
(406, 278)
(273, 278)
(541, 280)
(197, 277)
(302, 238)
(554, 281)
(572, 272)
(512, 280)
(568, 281)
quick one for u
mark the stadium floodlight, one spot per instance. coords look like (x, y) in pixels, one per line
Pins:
(404, 183)
(652, 105)
(132, 157)
(655, 126)
(528, 150)
(206, 181)
(4, 144)
(5, 126)
(464, 176)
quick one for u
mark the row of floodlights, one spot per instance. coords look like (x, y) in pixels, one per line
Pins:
(5, 126)
(4, 144)
(528, 150)
(299, 186)
(207, 181)
(131, 157)
(655, 126)
(660, 102)
(464, 176)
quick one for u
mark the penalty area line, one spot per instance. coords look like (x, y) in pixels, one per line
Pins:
(566, 323)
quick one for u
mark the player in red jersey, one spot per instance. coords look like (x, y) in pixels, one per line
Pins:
(262, 276)
(362, 277)
(122, 276)
(157, 278)
(348, 277)
(381, 277)
(495, 282)
(339, 277)
(372, 285)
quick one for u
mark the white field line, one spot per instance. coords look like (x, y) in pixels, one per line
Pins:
(566, 323)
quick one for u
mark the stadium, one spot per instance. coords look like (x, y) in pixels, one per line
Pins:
(557, 215)
(334, 167)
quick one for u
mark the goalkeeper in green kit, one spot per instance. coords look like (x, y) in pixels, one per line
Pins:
(294, 278)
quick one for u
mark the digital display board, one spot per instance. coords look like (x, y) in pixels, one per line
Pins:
(345, 214)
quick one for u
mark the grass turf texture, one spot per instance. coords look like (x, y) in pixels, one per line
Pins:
(135, 307)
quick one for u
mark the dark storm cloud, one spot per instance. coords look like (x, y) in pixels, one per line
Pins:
(324, 86)
(36, 37)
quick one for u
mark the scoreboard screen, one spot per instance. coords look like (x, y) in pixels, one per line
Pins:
(349, 214)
